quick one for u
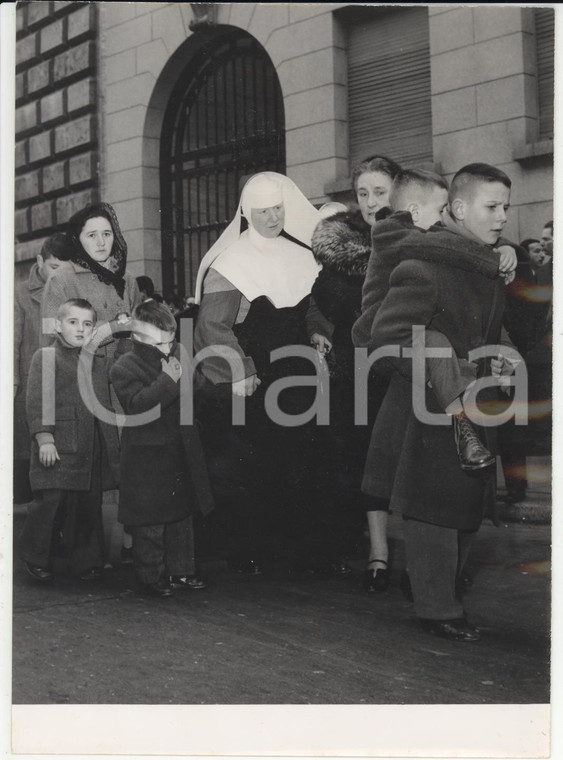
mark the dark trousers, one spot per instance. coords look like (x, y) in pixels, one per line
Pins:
(160, 550)
(79, 514)
(435, 558)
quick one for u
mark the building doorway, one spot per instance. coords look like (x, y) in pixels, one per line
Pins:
(224, 121)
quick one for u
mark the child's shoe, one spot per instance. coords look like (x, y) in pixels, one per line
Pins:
(187, 581)
(41, 574)
(471, 452)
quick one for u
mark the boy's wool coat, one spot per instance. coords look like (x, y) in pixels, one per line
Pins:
(412, 463)
(73, 427)
(164, 474)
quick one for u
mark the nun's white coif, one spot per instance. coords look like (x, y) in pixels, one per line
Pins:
(257, 266)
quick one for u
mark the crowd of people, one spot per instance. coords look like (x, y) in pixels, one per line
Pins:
(366, 351)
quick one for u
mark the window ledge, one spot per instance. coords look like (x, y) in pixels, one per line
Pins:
(532, 150)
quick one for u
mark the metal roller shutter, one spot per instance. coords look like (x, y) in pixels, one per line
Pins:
(545, 53)
(389, 105)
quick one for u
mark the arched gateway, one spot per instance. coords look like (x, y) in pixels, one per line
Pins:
(224, 121)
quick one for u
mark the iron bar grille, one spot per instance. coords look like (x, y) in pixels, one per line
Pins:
(224, 122)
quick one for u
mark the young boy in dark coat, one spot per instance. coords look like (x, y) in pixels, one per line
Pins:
(74, 455)
(414, 463)
(164, 477)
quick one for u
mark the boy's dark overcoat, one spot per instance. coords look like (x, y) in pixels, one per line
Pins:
(73, 427)
(413, 463)
(164, 475)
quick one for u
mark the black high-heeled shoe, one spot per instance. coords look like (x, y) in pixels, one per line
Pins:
(376, 579)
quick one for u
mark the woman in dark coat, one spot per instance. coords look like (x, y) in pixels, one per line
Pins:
(342, 245)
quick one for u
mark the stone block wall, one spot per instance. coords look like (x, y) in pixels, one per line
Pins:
(56, 154)
(485, 104)
(144, 45)
(84, 132)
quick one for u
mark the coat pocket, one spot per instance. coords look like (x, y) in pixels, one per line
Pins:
(66, 430)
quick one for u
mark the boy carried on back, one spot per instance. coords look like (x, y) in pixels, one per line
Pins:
(410, 461)
(419, 199)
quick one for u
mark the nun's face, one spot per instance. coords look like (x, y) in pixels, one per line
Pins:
(268, 222)
(97, 238)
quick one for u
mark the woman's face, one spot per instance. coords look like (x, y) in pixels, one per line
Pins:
(268, 222)
(372, 192)
(97, 238)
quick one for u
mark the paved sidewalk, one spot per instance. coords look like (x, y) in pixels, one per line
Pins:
(287, 639)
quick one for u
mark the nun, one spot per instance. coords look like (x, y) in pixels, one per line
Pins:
(254, 294)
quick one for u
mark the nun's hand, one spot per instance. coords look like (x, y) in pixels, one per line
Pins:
(247, 386)
(321, 343)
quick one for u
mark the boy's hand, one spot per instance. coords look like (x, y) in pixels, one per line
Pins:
(123, 318)
(246, 386)
(501, 369)
(48, 454)
(321, 343)
(172, 367)
(508, 258)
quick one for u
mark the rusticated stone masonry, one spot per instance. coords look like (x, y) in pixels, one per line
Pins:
(56, 153)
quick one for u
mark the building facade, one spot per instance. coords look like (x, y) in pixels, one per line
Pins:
(162, 109)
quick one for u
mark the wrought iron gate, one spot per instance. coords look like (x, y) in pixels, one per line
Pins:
(224, 121)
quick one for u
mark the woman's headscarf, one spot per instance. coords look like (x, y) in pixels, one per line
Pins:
(301, 217)
(114, 272)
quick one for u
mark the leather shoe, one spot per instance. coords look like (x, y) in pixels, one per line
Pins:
(39, 573)
(376, 579)
(471, 452)
(187, 581)
(161, 588)
(456, 629)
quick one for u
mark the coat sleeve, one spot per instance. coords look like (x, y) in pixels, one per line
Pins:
(37, 415)
(317, 322)
(214, 329)
(134, 395)
(54, 294)
(411, 300)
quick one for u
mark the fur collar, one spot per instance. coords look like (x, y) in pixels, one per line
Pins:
(342, 243)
